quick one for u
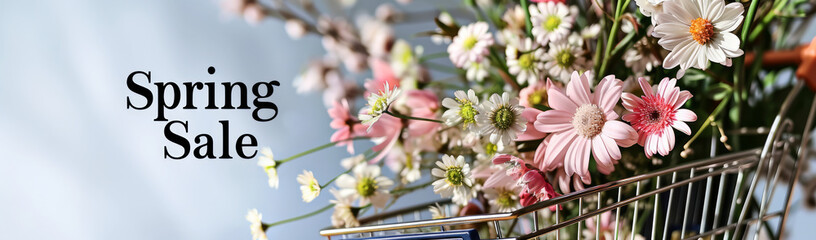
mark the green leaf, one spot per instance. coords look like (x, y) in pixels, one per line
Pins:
(719, 91)
(733, 113)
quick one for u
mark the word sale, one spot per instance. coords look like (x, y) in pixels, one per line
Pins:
(169, 96)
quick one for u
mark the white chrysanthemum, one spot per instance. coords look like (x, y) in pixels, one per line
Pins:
(591, 32)
(697, 32)
(404, 59)
(524, 60)
(256, 227)
(551, 21)
(344, 214)
(477, 71)
(367, 184)
(502, 200)
(640, 58)
(455, 179)
(500, 119)
(470, 44)
(377, 104)
(650, 8)
(411, 167)
(463, 109)
(562, 59)
(268, 163)
(309, 187)
(437, 212)
(350, 162)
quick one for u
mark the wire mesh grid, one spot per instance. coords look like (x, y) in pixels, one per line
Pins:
(716, 198)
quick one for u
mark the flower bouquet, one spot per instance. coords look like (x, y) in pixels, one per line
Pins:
(525, 101)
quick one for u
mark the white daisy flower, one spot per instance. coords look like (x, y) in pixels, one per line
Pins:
(437, 212)
(462, 110)
(562, 59)
(344, 214)
(404, 58)
(650, 8)
(367, 184)
(524, 60)
(500, 119)
(268, 163)
(551, 21)
(470, 44)
(455, 179)
(640, 58)
(477, 71)
(698, 31)
(256, 227)
(309, 187)
(377, 104)
(591, 32)
(352, 161)
(411, 170)
(502, 199)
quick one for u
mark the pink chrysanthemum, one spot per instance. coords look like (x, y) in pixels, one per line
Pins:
(582, 122)
(654, 115)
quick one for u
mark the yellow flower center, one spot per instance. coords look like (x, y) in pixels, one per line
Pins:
(505, 199)
(538, 97)
(525, 61)
(366, 187)
(701, 30)
(503, 118)
(379, 106)
(565, 58)
(470, 42)
(467, 112)
(491, 148)
(454, 176)
(552, 23)
(588, 120)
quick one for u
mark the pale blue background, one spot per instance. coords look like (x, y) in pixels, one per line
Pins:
(78, 165)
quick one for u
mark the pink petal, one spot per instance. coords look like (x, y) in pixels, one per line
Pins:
(663, 143)
(651, 145)
(610, 94)
(553, 121)
(630, 101)
(556, 148)
(540, 155)
(611, 147)
(559, 101)
(670, 137)
(605, 165)
(685, 115)
(501, 159)
(682, 127)
(647, 89)
(578, 90)
(629, 117)
(624, 134)
(682, 98)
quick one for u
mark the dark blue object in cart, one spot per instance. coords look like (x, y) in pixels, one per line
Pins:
(469, 234)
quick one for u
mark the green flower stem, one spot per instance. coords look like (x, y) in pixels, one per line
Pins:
(707, 121)
(332, 180)
(318, 148)
(399, 115)
(433, 56)
(778, 5)
(619, 7)
(527, 22)
(749, 18)
(327, 207)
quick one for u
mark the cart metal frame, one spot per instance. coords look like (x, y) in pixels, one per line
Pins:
(742, 220)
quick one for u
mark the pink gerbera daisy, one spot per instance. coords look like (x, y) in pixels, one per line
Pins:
(654, 115)
(582, 122)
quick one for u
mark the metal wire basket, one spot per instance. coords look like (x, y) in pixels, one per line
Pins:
(720, 197)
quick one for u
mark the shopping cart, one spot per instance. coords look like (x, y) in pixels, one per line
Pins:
(723, 197)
